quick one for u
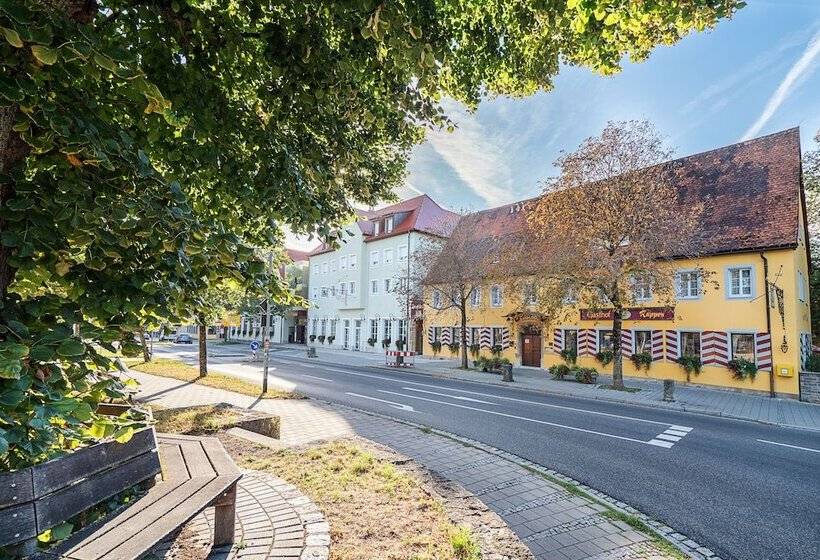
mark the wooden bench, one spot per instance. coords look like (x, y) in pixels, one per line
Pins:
(196, 473)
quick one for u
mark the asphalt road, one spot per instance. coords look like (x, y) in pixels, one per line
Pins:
(743, 489)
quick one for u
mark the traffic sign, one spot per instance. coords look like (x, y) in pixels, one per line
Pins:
(254, 346)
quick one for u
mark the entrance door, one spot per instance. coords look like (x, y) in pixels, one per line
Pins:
(531, 350)
(419, 337)
(357, 336)
(346, 339)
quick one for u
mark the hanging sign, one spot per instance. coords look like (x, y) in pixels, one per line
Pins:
(631, 314)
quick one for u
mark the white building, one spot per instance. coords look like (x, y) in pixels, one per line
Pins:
(354, 293)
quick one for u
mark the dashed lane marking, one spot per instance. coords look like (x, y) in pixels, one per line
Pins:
(319, 378)
(400, 406)
(454, 397)
(788, 445)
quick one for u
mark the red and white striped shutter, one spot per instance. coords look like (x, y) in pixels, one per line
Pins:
(657, 346)
(763, 351)
(557, 340)
(588, 345)
(714, 348)
(505, 337)
(445, 335)
(486, 337)
(430, 335)
(671, 345)
(626, 343)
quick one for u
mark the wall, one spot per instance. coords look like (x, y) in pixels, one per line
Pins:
(712, 311)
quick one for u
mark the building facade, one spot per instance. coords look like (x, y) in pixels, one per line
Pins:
(358, 290)
(755, 304)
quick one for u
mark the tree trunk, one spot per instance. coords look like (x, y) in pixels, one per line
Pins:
(146, 355)
(202, 333)
(463, 341)
(617, 356)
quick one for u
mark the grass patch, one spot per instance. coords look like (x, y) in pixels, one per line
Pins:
(195, 420)
(182, 371)
(638, 525)
(622, 389)
(375, 510)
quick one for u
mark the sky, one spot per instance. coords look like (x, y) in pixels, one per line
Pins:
(752, 75)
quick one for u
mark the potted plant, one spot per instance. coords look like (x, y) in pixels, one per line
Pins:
(475, 350)
(690, 364)
(386, 342)
(400, 342)
(454, 347)
(371, 341)
(321, 338)
(641, 360)
(312, 338)
(436, 347)
(605, 357)
(743, 369)
(330, 339)
(569, 356)
(495, 350)
(586, 375)
(558, 371)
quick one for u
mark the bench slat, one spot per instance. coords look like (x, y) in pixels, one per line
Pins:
(17, 523)
(221, 461)
(196, 460)
(173, 465)
(84, 463)
(15, 488)
(59, 506)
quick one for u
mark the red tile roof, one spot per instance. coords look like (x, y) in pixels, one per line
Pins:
(296, 255)
(420, 214)
(751, 190)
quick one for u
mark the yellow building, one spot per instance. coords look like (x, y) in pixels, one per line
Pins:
(755, 304)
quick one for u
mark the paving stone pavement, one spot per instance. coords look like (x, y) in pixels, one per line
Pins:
(274, 521)
(554, 523)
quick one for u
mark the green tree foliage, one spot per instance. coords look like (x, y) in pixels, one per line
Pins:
(811, 184)
(145, 147)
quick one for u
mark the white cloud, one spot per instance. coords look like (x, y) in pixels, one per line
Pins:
(799, 71)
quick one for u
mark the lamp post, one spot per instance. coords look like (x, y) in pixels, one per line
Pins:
(266, 340)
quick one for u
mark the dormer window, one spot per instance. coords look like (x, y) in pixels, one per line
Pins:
(376, 228)
(388, 224)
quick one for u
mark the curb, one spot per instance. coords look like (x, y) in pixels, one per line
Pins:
(681, 542)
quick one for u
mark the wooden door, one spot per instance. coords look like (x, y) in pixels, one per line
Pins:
(531, 350)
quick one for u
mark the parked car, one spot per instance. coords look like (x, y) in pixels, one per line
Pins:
(169, 336)
(183, 338)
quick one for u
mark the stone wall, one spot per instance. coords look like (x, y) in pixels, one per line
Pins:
(810, 386)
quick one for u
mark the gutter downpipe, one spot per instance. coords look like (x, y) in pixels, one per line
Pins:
(768, 321)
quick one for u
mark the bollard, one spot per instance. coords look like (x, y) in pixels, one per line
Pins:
(506, 372)
(669, 390)
(311, 352)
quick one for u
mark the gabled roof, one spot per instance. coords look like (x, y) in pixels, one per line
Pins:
(297, 256)
(751, 191)
(420, 214)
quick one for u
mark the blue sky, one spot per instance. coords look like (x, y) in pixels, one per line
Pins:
(752, 75)
(755, 74)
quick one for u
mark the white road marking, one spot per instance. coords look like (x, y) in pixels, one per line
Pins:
(788, 445)
(660, 443)
(456, 397)
(319, 378)
(671, 436)
(400, 406)
(680, 428)
(516, 417)
(670, 431)
(667, 437)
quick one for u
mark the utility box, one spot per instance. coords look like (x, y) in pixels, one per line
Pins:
(785, 370)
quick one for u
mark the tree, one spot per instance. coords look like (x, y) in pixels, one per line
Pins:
(608, 228)
(136, 173)
(811, 184)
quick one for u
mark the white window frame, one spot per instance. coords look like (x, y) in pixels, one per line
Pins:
(351, 288)
(387, 285)
(801, 286)
(475, 297)
(325, 267)
(324, 291)
(333, 265)
(402, 253)
(730, 347)
(388, 329)
(315, 293)
(343, 262)
(316, 269)
(564, 332)
(375, 258)
(727, 278)
(351, 261)
(374, 287)
(376, 225)
(571, 297)
(388, 224)
(699, 288)
(493, 340)
(529, 296)
(436, 299)
(342, 288)
(598, 332)
(635, 340)
(700, 338)
(387, 257)
(374, 329)
(495, 288)
(638, 285)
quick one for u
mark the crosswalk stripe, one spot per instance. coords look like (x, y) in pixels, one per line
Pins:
(667, 437)
(660, 443)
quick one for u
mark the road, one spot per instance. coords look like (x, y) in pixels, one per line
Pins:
(743, 489)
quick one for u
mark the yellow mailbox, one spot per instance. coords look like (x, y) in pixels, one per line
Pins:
(785, 370)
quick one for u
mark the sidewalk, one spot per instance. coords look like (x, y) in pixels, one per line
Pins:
(555, 522)
(688, 398)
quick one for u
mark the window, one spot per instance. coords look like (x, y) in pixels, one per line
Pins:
(333, 291)
(739, 282)
(436, 299)
(689, 344)
(402, 330)
(333, 328)
(333, 265)
(642, 289)
(376, 228)
(530, 297)
(315, 293)
(351, 288)
(475, 335)
(351, 262)
(642, 342)
(688, 284)
(374, 286)
(497, 336)
(436, 334)
(402, 253)
(374, 329)
(801, 286)
(324, 326)
(324, 291)
(571, 296)
(571, 340)
(316, 269)
(475, 297)
(605, 341)
(388, 256)
(342, 289)
(743, 346)
(401, 284)
(342, 263)
(495, 296)
(388, 328)
(313, 330)
(388, 224)
(387, 285)
(325, 268)
(375, 257)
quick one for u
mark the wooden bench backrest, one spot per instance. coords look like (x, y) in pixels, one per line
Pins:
(38, 498)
